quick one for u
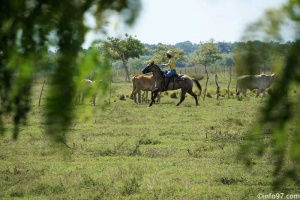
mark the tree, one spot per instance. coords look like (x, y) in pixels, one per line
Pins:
(277, 131)
(225, 47)
(159, 54)
(187, 47)
(228, 62)
(136, 64)
(247, 59)
(30, 25)
(124, 50)
(207, 54)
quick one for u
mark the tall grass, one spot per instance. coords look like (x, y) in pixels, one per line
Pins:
(130, 151)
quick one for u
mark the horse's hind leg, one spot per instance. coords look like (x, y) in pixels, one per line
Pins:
(153, 96)
(181, 98)
(158, 97)
(193, 95)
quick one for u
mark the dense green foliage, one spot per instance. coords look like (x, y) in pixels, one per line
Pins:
(207, 54)
(124, 49)
(266, 56)
(27, 29)
(229, 54)
(158, 54)
(280, 117)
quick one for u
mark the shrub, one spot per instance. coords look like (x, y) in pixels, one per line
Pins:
(269, 91)
(240, 98)
(131, 186)
(148, 141)
(208, 95)
(17, 194)
(174, 95)
(122, 97)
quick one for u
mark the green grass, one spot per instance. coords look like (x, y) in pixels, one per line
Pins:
(130, 151)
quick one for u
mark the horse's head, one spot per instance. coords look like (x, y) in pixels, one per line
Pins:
(149, 68)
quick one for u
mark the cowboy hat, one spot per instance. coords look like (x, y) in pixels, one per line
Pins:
(170, 52)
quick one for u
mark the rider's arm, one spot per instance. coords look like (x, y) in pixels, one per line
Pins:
(167, 64)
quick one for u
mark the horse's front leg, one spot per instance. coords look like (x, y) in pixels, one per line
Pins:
(154, 94)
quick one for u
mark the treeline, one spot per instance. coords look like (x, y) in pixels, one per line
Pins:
(261, 55)
(224, 47)
(250, 57)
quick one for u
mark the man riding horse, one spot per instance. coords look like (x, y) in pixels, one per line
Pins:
(183, 81)
(170, 71)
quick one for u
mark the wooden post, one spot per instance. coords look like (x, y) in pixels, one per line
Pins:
(229, 82)
(41, 93)
(218, 87)
(205, 90)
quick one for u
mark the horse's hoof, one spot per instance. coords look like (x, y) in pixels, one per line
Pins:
(150, 104)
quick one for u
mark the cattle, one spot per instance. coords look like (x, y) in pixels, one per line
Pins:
(142, 83)
(259, 82)
(85, 89)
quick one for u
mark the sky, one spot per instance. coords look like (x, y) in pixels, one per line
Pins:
(174, 21)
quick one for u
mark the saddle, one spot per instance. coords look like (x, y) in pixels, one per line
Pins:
(175, 77)
(179, 77)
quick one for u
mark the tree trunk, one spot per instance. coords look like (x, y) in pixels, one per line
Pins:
(205, 90)
(127, 79)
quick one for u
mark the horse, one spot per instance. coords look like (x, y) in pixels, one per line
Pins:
(183, 81)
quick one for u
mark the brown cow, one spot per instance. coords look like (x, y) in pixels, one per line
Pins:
(142, 83)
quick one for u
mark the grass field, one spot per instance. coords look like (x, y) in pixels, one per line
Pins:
(129, 151)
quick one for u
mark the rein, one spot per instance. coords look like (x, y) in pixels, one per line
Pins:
(158, 75)
(159, 70)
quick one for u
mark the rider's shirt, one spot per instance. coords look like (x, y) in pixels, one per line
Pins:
(171, 63)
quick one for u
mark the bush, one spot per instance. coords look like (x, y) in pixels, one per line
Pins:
(122, 97)
(240, 97)
(174, 95)
(131, 186)
(269, 91)
(208, 95)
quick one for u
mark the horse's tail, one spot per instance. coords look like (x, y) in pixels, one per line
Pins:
(198, 85)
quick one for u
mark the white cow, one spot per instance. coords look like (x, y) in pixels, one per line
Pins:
(86, 89)
(259, 82)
